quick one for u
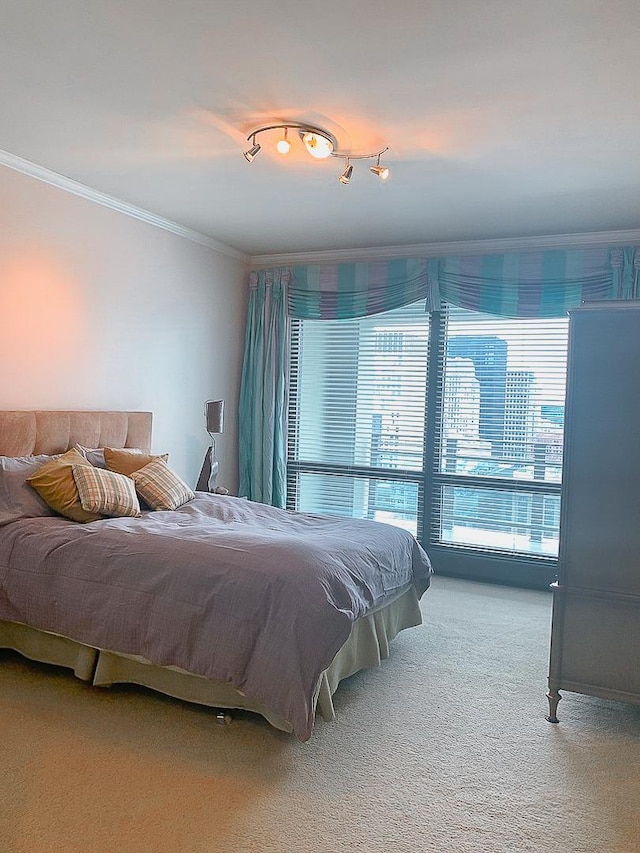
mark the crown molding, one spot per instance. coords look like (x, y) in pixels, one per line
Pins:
(463, 247)
(40, 173)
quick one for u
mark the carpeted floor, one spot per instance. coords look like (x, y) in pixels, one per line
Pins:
(443, 748)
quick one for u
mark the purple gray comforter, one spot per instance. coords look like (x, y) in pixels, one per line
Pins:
(229, 589)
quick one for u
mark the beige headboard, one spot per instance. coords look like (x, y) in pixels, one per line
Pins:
(32, 432)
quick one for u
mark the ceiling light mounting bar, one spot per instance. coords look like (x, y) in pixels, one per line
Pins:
(294, 125)
(347, 156)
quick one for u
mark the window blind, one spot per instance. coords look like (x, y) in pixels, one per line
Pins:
(499, 432)
(480, 472)
(356, 415)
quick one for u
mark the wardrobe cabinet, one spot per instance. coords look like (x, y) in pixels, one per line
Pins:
(595, 632)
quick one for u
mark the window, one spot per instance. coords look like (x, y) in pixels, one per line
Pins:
(499, 429)
(476, 472)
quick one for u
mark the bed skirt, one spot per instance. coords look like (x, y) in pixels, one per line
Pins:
(367, 646)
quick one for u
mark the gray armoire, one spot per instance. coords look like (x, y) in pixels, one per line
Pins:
(595, 633)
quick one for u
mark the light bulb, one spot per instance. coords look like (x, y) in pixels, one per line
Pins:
(283, 146)
(317, 145)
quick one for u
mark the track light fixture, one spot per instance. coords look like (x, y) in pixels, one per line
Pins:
(320, 144)
(283, 145)
(255, 148)
(382, 172)
(345, 177)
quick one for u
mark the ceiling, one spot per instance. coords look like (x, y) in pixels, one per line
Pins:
(504, 118)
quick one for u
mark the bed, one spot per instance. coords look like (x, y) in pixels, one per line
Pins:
(223, 602)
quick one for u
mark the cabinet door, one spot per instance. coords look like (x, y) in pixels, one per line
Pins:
(600, 644)
(600, 522)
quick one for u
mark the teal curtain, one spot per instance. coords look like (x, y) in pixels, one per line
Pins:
(262, 408)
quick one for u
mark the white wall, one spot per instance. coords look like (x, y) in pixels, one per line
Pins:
(99, 310)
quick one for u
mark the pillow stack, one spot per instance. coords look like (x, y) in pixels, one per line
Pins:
(87, 484)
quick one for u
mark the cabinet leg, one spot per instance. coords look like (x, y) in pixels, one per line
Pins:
(554, 697)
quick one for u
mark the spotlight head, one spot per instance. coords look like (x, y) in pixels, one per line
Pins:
(251, 153)
(345, 177)
(381, 171)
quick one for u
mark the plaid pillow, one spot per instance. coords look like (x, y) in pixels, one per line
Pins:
(161, 487)
(106, 493)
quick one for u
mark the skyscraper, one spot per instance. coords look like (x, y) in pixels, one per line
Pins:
(519, 423)
(489, 356)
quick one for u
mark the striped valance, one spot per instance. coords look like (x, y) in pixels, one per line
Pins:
(512, 284)
(534, 284)
(339, 291)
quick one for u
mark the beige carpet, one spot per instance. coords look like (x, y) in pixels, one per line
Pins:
(443, 748)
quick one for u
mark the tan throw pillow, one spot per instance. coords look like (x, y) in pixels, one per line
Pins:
(55, 484)
(126, 461)
(161, 487)
(105, 492)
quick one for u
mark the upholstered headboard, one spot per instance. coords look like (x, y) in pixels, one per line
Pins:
(32, 432)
